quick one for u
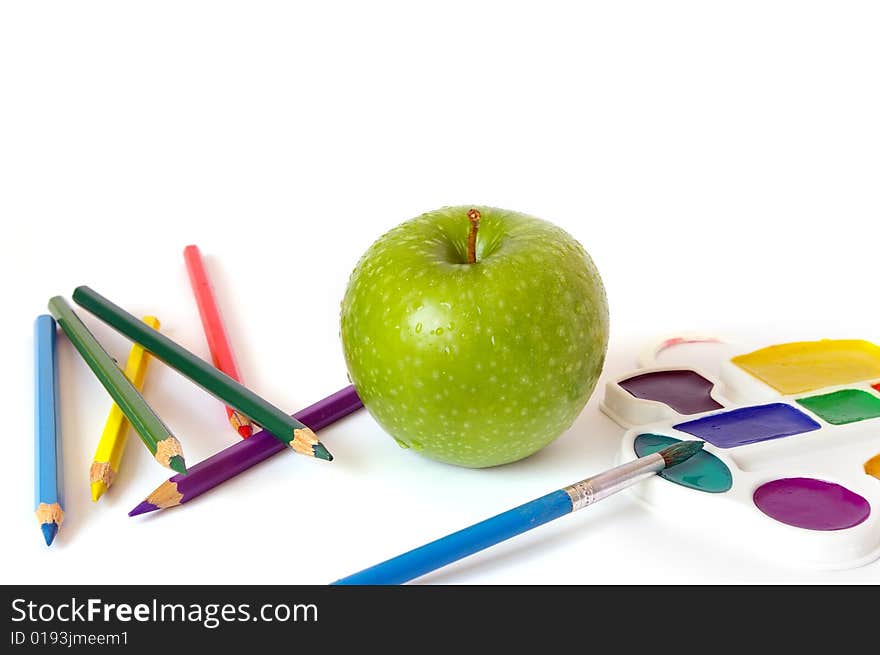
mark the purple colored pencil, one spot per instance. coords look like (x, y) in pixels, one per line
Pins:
(244, 454)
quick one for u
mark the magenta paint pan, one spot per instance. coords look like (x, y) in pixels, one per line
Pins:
(811, 504)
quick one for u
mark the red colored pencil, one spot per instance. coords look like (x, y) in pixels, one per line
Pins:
(218, 341)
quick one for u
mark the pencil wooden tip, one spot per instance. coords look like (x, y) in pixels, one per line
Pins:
(143, 508)
(102, 472)
(98, 490)
(306, 443)
(49, 513)
(49, 532)
(170, 454)
(242, 424)
(164, 496)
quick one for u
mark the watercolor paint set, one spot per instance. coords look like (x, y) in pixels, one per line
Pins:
(790, 467)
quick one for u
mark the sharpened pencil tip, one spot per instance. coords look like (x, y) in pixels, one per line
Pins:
(98, 489)
(680, 452)
(177, 464)
(49, 532)
(321, 452)
(143, 508)
(306, 443)
(241, 423)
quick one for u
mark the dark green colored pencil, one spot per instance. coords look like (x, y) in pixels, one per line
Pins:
(150, 428)
(282, 426)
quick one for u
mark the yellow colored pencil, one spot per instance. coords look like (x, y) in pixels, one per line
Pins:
(112, 443)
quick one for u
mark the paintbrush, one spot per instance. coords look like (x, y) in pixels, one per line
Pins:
(480, 536)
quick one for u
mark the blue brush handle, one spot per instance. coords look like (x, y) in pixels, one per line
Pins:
(47, 458)
(465, 542)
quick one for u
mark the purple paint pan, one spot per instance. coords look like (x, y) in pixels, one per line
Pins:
(685, 391)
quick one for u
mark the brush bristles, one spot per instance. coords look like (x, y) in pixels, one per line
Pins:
(680, 452)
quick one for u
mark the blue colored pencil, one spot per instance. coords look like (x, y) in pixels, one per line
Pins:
(47, 451)
(501, 527)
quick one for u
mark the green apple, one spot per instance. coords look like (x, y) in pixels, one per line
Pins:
(479, 356)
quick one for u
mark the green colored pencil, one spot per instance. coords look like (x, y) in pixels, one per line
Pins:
(152, 431)
(283, 427)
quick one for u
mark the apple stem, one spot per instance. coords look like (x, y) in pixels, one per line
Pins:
(474, 217)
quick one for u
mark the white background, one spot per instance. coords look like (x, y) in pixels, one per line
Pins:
(718, 160)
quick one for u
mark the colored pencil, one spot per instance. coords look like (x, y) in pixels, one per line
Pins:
(152, 431)
(244, 454)
(221, 386)
(47, 430)
(503, 526)
(111, 445)
(215, 332)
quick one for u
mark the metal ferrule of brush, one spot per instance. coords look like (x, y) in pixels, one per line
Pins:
(591, 490)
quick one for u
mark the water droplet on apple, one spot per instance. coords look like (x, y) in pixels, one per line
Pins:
(400, 443)
(451, 326)
(418, 328)
(439, 331)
